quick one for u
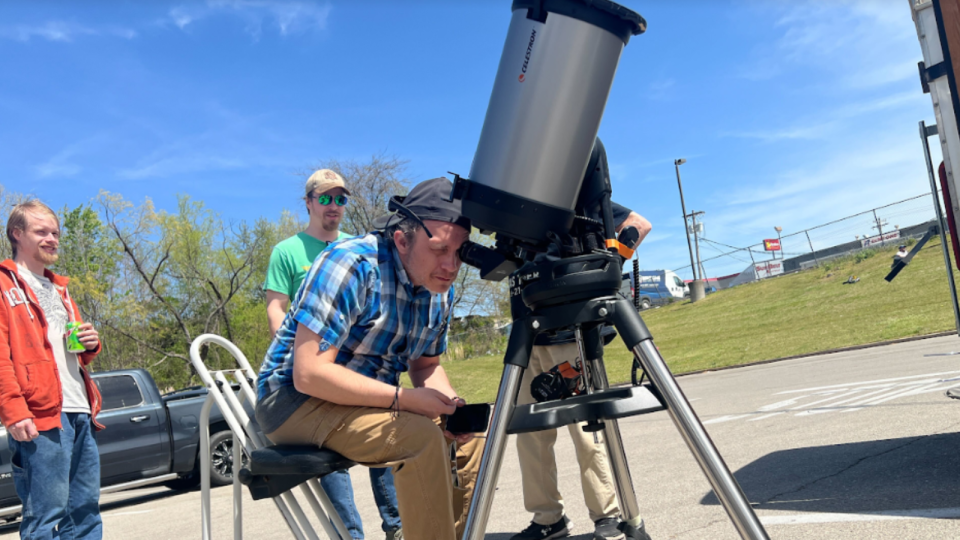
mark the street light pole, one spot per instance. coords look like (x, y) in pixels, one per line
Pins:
(693, 268)
(696, 286)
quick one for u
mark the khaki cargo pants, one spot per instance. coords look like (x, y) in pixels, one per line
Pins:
(538, 462)
(431, 507)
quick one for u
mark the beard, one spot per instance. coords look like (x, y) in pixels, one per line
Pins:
(47, 258)
(330, 225)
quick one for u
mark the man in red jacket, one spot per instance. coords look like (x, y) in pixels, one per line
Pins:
(48, 402)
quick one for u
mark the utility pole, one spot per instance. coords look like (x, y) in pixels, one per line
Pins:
(811, 248)
(779, 241)
(879, 227)
(696, 241)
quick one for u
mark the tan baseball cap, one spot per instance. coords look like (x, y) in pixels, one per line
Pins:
(325, 180)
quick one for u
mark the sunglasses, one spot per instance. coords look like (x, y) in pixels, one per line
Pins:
(326, 199)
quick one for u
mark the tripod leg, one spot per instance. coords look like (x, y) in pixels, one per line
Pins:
(629, 507)
(493, 453)
(515, 361)
(638, 339)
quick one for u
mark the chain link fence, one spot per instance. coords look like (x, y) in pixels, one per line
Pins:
(909, 218)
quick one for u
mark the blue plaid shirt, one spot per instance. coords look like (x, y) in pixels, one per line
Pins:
(358, 299)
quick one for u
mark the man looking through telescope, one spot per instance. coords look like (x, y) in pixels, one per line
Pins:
(538, 464)
(371, 308)
(326, 197)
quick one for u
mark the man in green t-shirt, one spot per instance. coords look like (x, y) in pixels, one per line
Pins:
(326, 197)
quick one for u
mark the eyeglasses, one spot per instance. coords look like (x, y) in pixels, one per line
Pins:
(326, 199)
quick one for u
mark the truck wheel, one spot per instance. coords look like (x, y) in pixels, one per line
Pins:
(221, 458)
(645, 304)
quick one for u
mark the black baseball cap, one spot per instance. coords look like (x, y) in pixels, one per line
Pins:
(428, 200)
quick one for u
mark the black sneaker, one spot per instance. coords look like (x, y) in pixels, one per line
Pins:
(631, 533)
(545, 532)
(607, 529)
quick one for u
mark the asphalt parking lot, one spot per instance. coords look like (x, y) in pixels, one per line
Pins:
(861, 444)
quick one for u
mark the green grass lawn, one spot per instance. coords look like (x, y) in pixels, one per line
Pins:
(800, 313)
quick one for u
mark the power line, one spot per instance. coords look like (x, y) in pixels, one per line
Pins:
(857, 214)
(844, 231)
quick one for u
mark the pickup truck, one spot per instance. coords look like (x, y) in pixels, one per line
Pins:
(149, 438)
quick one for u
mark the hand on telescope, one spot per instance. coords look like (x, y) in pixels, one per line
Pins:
(426, 401)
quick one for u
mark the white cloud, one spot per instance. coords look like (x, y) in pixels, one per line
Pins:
(661, 89)
(63, 164)
(653, 238)
(54, 169)
(858, 176)
(61, 31)
(809, 132)
(859, 43)
(161, 165)
(182, 16)
(829, 121)
(287, 17)
(125, 33)
(231, 141)
(50, 31)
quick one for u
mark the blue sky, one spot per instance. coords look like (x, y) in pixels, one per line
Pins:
(789, 113)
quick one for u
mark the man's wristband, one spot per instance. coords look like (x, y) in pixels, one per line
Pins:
(395, 406)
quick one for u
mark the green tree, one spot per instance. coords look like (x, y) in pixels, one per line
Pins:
(89, 257)
(188, 271)
(7, 200)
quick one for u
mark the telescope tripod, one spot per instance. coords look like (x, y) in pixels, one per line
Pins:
(579, 293)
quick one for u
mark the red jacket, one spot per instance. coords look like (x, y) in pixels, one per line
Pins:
(29, 379)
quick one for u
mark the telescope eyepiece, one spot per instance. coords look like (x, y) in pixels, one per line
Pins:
(493, 265)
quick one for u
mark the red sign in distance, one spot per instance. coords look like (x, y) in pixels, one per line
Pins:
(771, 245)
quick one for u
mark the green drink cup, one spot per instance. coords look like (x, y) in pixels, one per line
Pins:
(73, 340)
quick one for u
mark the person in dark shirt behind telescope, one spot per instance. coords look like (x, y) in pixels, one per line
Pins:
(538, 463)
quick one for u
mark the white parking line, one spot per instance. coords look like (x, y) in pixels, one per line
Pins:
(726, 418)
(831, 398)
(803, 519)
(878, 381)
(130, 513)
(765, 416)
(888, 397)
(847, 397)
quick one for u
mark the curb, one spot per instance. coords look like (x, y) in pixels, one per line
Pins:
(828, 351)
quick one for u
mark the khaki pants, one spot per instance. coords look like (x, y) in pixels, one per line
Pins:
(538, 463)
(431, 508)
